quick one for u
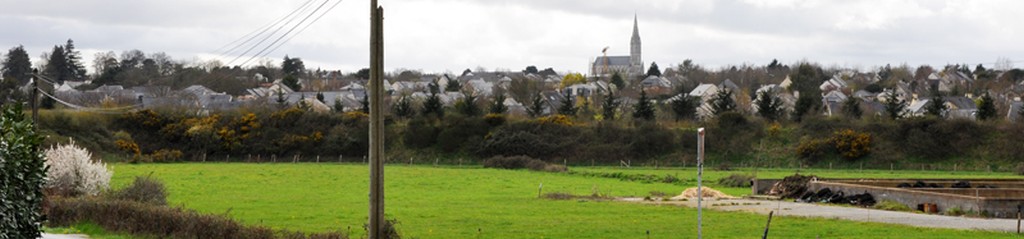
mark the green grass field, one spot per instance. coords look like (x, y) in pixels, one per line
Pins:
(457, 202)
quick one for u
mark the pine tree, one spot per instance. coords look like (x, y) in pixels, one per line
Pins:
(498, 104)
(57, 66)
(292, 66)
(453, 86)
(644, 109)
(280, 98)
(609, 106)
(568, 107)
(618, 81)
(653, 70)
(894, 106)
(433, 106)
(936, 106)
(536, 106)
(292, 82)
(338, 106)
(467, 105)
(685, 107)
(804, 105)
(366, 103)
(986, 108)
(75, 69)
(768, 106)
(403, 108)
(722, 102)
(851, 108)
(17, 65)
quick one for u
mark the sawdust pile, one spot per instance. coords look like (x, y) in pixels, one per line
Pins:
(706, 191)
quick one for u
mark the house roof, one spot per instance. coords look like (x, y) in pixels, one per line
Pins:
(1015, 108)
(918, 106)
(703, 90)
(655, 81)
(834, 96)
(729, 84)
(961, 102)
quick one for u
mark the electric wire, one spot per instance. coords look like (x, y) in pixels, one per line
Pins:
(261, 30)
(286, 33)
(268, 36)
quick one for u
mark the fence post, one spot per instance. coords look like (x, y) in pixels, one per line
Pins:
(700, 174)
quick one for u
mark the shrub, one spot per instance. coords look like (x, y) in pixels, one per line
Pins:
(72, 172)
(389, 229)
(22, 175)
(812, 149)
(166, 155)
(420, 134)
(736, 180)
(651, 140)
(890, 205)
(851, 144)
(502, 162)
(157, 221)
(143, 190)
(521, 162)
(557, 119)
(495, 120)
(955, 211)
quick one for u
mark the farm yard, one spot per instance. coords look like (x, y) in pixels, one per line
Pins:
(472, 202)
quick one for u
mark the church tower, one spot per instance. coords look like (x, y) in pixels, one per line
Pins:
(636, 62)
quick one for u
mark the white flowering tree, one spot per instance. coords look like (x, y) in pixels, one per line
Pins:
(72, 171)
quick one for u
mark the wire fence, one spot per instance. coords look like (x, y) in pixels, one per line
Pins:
(625, 164)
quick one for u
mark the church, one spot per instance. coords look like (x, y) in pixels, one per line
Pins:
(630, 67)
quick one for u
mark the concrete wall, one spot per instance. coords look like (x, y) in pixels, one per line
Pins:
(912, 198)
(761, 186)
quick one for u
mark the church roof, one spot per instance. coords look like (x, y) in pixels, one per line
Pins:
(612, 61)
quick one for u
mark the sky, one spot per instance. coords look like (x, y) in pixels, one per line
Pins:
(452, 35)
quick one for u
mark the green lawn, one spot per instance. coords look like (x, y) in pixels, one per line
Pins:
(457, 202)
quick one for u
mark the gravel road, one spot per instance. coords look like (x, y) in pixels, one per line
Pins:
(783, 208)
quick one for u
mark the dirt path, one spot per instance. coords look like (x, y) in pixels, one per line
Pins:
(63, 236)
(782, 208)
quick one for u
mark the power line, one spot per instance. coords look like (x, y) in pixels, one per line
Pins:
(250, 35)
(288, 32)
(315, 20)
(266, 38)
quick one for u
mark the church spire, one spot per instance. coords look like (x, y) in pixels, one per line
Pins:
(636, 29)
(636, 61)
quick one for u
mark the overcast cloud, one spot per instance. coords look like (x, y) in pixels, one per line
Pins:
(440, 35)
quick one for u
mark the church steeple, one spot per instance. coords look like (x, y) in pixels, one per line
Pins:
(635, 56)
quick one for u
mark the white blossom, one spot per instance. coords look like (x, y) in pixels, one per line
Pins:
(72, 169)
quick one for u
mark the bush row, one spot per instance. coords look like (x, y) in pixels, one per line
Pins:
(158, 136)
(140, 209)
(521, 162)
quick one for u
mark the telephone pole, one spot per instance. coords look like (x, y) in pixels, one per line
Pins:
(375, 226)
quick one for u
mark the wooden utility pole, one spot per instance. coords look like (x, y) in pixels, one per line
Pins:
(375, 226)
(34, 98)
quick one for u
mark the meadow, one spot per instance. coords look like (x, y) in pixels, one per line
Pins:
(447, 202)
